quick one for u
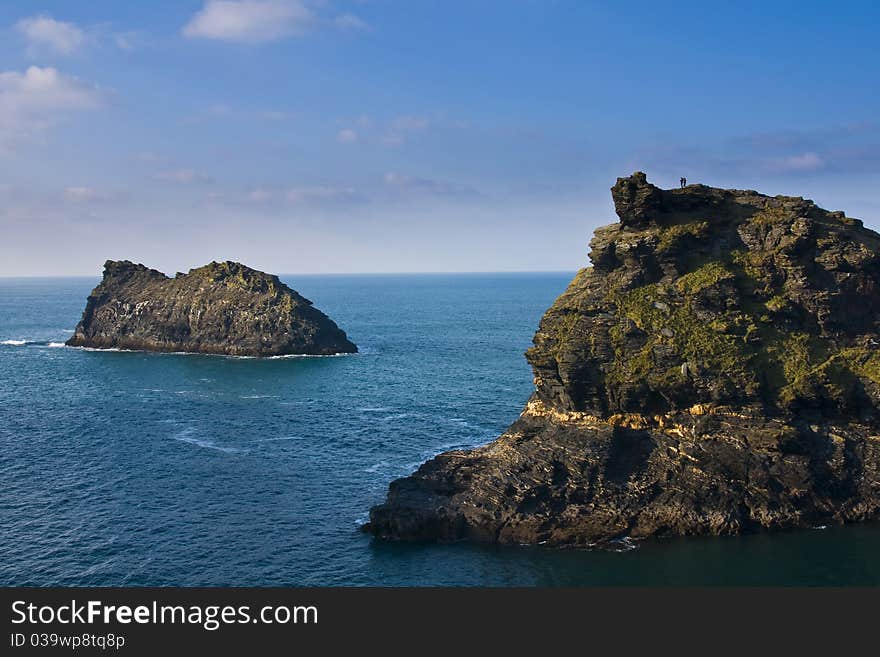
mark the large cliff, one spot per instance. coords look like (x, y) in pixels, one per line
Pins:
(716, 370)
(221, 308)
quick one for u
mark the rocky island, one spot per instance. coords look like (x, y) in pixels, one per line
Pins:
(221, 308)
(715, 371)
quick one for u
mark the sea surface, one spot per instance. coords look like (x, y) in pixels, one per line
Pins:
(124, 468)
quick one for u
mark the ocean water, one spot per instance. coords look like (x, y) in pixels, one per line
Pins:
(120, 468)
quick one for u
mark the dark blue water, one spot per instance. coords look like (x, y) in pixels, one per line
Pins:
(151, 469)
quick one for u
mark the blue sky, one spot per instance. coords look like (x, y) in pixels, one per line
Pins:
(321, 136)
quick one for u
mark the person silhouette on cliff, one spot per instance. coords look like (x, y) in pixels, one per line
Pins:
(683, 181)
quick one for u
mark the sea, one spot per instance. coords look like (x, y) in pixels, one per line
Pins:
(142, 469)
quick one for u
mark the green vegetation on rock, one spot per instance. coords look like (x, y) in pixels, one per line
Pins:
(731, 309)
(716, 371)
(672, 237)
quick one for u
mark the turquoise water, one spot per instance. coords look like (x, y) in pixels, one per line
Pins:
(161, 469)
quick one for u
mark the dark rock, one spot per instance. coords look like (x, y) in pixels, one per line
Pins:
(221, 308)
(716, 371)
(636, 201)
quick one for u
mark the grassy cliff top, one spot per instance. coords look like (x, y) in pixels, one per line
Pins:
(713, 296)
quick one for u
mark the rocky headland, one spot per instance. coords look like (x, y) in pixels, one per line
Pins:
(221, 308)
(715, 371)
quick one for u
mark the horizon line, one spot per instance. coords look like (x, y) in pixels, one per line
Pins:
(364, 273)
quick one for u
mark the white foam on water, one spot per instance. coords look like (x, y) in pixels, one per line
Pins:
(282, 356)
(56, 345)
(186, 436)
(198, 353)
(375, 409)
(625, 544)
(398, 416)
(14, 343)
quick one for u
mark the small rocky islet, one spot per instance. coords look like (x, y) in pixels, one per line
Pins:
(715, 371)
(221, 308)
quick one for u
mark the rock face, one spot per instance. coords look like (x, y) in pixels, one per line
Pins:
(221, 308)
(716, 371)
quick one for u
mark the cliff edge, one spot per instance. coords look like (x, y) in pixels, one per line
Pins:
(221, 308)
(715, 371)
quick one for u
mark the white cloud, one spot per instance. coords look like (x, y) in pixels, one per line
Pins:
(350, 22)
(33, 101)
(410, 123)
(45, 32)
(148, 156)
(129, 40)
(223, 111)
(249, 21)
(123, 41)
(184, 176)
(403, 126)
(803, 162)
(260, 195)
(346, 136)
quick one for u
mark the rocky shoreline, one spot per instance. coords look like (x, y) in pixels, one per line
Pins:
(221, 308)
(715, 371)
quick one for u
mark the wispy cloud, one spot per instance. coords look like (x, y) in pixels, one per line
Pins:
(799, 162)
(403, 127)
(184, 176)
(34, 101)
(842, 149)
(250, 21)
(264, 21)
(129, 40)
(275, 115)
(83, 194)
(306, 196)
(346, 136)
(260, 195)
(44, 32)
(420, 185)
(224, 111)
(321, 194)
(389, 132)
(350, 22)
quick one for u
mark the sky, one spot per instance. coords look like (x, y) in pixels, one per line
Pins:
(331, 136)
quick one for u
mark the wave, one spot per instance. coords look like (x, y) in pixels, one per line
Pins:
(199, 353)
(32, 343)
(397, 416)
(623, 544)
(186, 436)
(283, 356)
